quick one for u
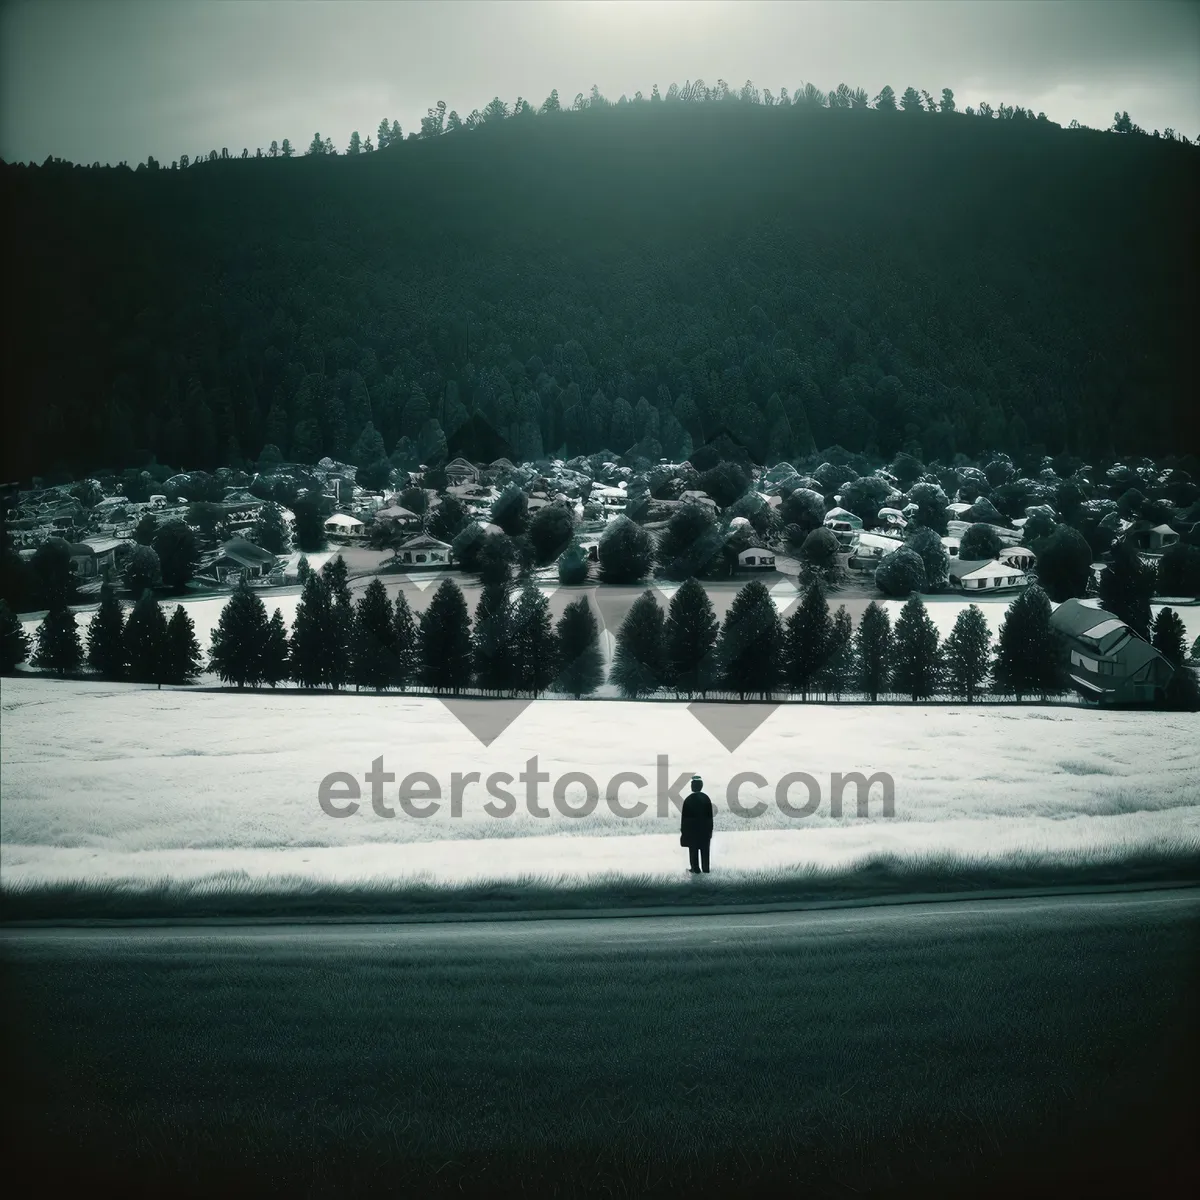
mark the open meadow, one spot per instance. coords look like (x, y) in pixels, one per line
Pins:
(128, 786)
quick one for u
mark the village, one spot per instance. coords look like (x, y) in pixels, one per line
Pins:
(951, 535)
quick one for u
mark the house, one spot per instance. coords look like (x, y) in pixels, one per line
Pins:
(238, 557)
(460, 472)
(990, 575)
(106, 551)
(1151, 538)
(83, 560)
(1017, 556)
(396, 517)
(951, 544)
(344, 527)
(1110, 664)
(868, 548)
(755, 558)
(1007, 536)
(424, 550)
(844, 516)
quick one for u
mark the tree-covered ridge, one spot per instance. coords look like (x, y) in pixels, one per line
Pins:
(651, 273)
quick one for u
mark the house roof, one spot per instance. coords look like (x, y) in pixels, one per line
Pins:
(104, 545)
(982, 568)
(343, 521)
(394, 512)
(424, 541)
(756, 550)
(461, 464)
(245, 553)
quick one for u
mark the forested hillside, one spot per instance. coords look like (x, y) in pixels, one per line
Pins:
(592, 279)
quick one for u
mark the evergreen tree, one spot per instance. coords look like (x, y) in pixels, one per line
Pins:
(1030, 657)
(142, 571)
(337, 578)
(968, 652)
(916, 656)
(838, 667)
(510, 511)
(314, 642)
(639, 664)
(183, 655)
(491, 639)
(1170, 637)
(581, 665)
(372, 641)
(1064, 564)
(14, 644)
(240, 638)
(873, 650)
(53, 573)
(146, 649)
(275, 651)
(807, 641)
(535, 648)
(404, 644)
(178, 554)
(1127, 586)
(270, 530)
(302, 570)
(550, 532)
(691, 631)
(106, 637)
(690, 544)
(310, 526)
(626, 553)
(750, 646)
(57, 647)
(573, 566)
(444, 641)
(934, 556)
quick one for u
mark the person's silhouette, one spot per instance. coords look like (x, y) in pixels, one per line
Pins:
(696, 826)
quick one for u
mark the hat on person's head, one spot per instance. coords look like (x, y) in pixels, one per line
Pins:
(697, 783)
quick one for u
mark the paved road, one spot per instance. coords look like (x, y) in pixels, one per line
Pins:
(769, 929)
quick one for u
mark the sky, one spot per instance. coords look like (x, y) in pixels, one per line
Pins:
(117, 80)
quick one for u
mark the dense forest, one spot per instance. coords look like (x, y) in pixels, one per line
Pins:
(805, 275)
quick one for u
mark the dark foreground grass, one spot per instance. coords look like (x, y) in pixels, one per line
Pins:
(1052, 1051)
(233, 895)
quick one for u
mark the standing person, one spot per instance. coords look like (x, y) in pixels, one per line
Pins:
(696, 826)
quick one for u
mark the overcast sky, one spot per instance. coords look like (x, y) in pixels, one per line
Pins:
(105, 80)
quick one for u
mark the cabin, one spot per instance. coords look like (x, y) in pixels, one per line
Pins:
(396, 517)
(343, 527)
(106, 551)
(986, 575)
(868, 548)
(1153, 539)
(755, 558)
(1109, 662)
(461, 473)
(1017, 556)
(424, 550)
(238, 557)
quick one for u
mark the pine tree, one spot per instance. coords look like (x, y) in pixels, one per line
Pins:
(275, 651)
(146, 641)
(750, 647)
(491, 639)
(916, 656)
(1127, 586)
(57, 645)
(183, 651)
(639, 663)
(240, 638)
(691, 631)
(270, 530)
(14, 644)
(340, 662)
(872, 651)
(1170, 637)
(968, 653)
(372, 642)
(313, 644)
(535, 647)
(1030, 656)
(835, 674)
(581, 665)
(807, 642)
(444, 641)
(337, 578)
(106, 636)
(404, 644)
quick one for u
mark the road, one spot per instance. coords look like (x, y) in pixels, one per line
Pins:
(769, 930)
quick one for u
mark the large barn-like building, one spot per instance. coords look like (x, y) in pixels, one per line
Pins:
(1110, 663)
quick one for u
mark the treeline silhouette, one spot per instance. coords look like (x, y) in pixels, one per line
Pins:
(816, 273)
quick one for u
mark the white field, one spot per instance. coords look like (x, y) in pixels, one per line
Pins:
(126, 783)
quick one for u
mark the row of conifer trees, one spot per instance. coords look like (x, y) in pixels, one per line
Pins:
(513, 648)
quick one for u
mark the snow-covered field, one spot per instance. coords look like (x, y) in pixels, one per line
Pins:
(121, 782)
